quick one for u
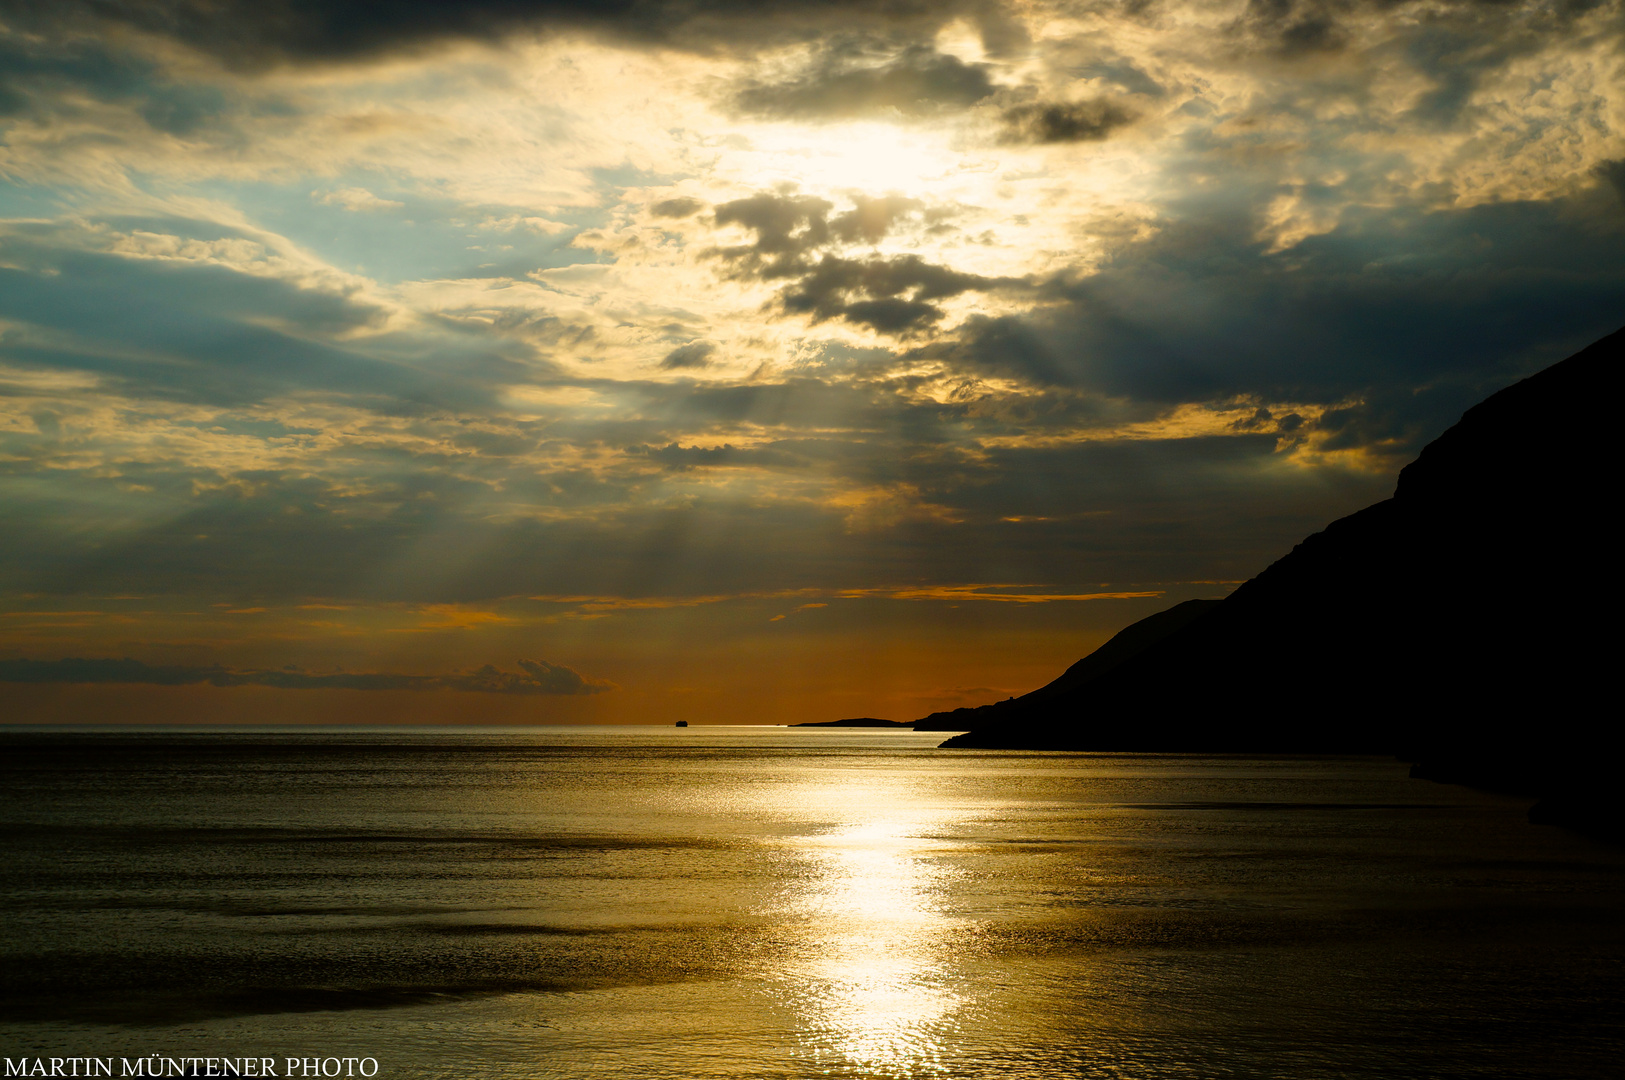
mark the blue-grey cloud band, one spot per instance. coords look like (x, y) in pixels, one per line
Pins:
(534, 677)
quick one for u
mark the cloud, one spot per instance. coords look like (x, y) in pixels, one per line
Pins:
(1063, 122)
(696, 354)
(254, 34)
(680, 207)
(535, 677)
(723, 298)
(989, 593)
(358, 200)
(870, 219)
(789, 227)
(845, 83)
(893, 295)
(890, 296)
(1297, 27)
(1613, 171)
(786, 227)
(673, 456)
(44, 77)
(1410, 315)
(539, 677)
(201, 313)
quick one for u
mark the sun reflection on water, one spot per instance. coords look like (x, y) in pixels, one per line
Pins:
(876, 988)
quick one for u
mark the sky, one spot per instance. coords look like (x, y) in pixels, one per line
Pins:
(542, 361)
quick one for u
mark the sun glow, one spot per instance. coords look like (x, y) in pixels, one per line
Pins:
(861, 156)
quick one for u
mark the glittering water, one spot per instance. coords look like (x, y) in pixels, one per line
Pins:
(766, 902)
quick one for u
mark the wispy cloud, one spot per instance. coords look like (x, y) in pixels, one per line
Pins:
(357, 199)
(992, 593)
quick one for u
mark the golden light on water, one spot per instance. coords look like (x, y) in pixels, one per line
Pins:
(876, 985)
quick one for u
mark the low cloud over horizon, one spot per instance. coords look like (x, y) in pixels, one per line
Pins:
(534, 677)
(335, 335)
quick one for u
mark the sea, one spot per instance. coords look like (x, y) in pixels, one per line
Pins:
(764, 902)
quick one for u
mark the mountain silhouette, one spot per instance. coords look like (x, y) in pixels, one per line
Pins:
(1128, 643)
(1460, 623)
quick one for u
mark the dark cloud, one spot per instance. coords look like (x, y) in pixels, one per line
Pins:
(1063, 122)
(870, 219)
(1006, 346)
(1416, 315)
(31, 66)
(795, 402)
(677, 208)
(1124, 74)
(696, 354)
(257, 33)
(535, 677)
(193, 330)
(684, 458)
(1455, 44)
(1264, 420)
(1114, 510)
(49, 77)
(1465, 43)
(1296, 27)
(846, 83)
(786, 228)
(890, 295)
(1613, 172)
(539, 677)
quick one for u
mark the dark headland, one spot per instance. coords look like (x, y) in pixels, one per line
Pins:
(1460, 624)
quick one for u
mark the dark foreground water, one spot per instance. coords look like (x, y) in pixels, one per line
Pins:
(761, 902)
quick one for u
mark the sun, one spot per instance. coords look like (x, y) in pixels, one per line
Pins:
(866, 156)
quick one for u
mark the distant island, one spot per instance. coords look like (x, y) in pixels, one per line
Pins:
(1459, 624)
(862, 721)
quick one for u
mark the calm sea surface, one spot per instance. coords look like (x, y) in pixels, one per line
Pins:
(768, 902)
